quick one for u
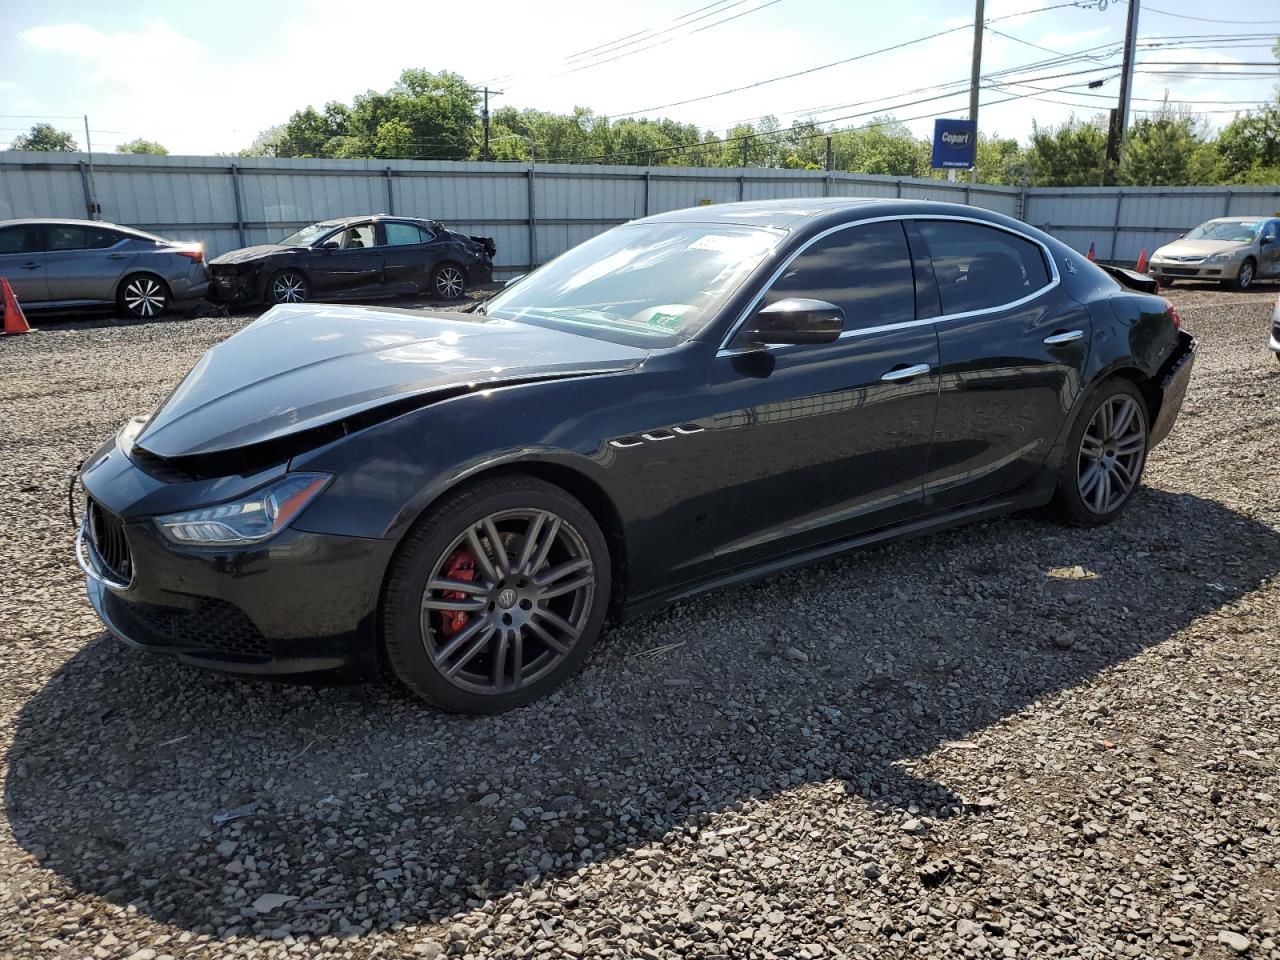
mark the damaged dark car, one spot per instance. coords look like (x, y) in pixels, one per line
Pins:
(682, 402)
(355, 258)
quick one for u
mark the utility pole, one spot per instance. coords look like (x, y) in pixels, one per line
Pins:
(484, 120)
(1120, 115)
(975, 75)
(746, 146)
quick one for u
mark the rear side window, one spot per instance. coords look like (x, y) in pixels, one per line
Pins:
(73, 237)
(865, 270)
(402, 234)
(13, 240)
(981, 267)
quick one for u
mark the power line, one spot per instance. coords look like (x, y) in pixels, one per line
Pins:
(1187, 16)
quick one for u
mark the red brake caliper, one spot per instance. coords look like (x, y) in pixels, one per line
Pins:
(461, 566)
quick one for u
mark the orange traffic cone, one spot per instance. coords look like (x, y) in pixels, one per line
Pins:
(15, 321)
(1142, 261)
(1089, 255)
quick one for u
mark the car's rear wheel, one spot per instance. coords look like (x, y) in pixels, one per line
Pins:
(1244, 279)
(142, 296)
(449, 282)
(1106, 453)
(497, 596)
(288, 286)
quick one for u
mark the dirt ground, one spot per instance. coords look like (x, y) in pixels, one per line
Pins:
(1010, 740)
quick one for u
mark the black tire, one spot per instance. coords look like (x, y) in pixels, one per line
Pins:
(1075, 506)
(142, 296)
(448, 282)
(1247, 275)
(416, 640)
(288, 286)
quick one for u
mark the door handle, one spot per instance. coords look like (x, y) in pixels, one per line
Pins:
(31, 266)
(906, 373)
(115, 256)
(1066, 336)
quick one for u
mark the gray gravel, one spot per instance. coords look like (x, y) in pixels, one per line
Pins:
(1010, 740)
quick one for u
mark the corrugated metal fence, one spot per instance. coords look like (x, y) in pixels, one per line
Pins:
(536, 214)
(533, 215)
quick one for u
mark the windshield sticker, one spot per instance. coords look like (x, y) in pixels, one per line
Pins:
(668, 321)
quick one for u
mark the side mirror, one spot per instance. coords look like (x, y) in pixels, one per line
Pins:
(1266, 239)
(329, 245)
(796, 320)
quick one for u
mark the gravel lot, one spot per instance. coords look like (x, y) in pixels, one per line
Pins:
(1010, 740)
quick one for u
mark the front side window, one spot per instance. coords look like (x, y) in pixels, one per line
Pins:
(308, 235)
(648, 284)
(865, 270)
(355, 237)
(403, 234)
(97, 238)
(980, 267)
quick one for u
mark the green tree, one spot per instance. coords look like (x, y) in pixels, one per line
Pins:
(998, 160)
(45, 137)
(1070, 155)
(884, 146)
(1249, 144)
(143, 146)
(394, 139)
(1162, 150)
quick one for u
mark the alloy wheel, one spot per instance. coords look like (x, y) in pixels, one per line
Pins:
(1246, 275)
(289, 288)
(450, 282)
(1111, 454)
(507, 601)
(144, 297)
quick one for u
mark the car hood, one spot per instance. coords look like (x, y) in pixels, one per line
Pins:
(1200, 248)
(302, 366)
(245, 254)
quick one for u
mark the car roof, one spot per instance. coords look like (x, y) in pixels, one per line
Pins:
(73, 222)
(800, 212)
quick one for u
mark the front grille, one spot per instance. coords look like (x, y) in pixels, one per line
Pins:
(1180, 271)
(109, 543)
(211, 625)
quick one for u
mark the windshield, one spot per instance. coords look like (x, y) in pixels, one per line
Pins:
(648, 284)
(309, 235)
(1241, 231)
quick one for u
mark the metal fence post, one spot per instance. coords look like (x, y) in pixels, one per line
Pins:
(899, 189)
(1226, 210)
(1115, 228)
(235, 189)
(391, 201)
(742, 187)
(88, 193)
(648, 174)
(533, 221)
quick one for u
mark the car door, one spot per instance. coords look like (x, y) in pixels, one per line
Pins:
(85, 263)
(346, 262)
(1269, 249)
(407, 255)
(819, 442)
(1013, 347)
(22, 261)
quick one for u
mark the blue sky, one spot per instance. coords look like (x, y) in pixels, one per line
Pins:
(207, 77)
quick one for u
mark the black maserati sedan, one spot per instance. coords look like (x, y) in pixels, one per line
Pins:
(355, 258)
(682, 402)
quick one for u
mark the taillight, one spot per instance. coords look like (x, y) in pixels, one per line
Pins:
(197, 254)
(1172, 313)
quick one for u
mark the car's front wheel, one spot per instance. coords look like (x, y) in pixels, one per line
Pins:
(1106, 452)
(496, 597)
(1244, 279)
(288, 286)
(142, 297)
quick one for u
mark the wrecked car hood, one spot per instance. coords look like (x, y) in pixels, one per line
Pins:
(302, 366)
(247, 254)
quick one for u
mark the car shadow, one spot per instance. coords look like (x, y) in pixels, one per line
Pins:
(122, 763)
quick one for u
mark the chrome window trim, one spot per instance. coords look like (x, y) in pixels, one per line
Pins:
(1055, 278)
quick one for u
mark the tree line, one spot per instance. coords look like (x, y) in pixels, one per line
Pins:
(436, 116)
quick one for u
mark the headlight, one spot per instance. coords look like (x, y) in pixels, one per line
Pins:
(1219, 258)
(252, 519)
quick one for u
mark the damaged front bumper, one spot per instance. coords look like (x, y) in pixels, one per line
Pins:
(300, 603)
(228, 286)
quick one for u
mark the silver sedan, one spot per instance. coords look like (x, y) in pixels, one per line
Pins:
(69, 264)
(1233, 250)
